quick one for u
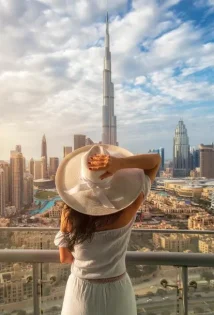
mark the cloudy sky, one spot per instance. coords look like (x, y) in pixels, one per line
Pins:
(51, 62)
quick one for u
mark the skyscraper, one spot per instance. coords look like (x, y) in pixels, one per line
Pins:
(162, 155)
(79, 141)
(19, 148)
(66, 151)
(31, 166)
(44, 154)
(109, 133)
(181, 166)
(207, 160)
(28, 189)
(54, 163)
(2, 192)
(43, 167)
(37, 170)
(6, 168)
(160, 151)
(194, 158)
(17, 174)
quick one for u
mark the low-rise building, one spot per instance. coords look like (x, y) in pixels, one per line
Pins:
(172, 242)
(201, 221)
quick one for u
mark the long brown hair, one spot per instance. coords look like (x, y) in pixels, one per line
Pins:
(84, 226)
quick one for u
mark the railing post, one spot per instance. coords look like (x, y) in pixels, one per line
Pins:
(36, 310)
(185, 289)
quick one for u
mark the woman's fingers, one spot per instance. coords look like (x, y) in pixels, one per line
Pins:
(99, 157)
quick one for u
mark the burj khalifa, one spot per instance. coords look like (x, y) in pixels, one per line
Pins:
(109, 135)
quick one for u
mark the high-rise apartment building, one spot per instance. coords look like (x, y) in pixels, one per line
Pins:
(207, 160)
(2, 192)
(109, 134)
(54, 163)
(194, 158)
(44, 154)
(28, 189)
(181, 153)
(159, 151)
(37, 170)
(31, 166)
(6, 167)
(66, 151)
(17, 174)
(162, 155)
(79, 141)
(43, 167)
(19, 148)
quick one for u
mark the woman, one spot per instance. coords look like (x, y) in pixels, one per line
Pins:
(102, 187)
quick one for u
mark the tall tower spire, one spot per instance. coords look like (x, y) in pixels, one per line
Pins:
(44, 157)
(109, 135)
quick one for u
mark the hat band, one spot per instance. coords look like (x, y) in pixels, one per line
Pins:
(97, 190)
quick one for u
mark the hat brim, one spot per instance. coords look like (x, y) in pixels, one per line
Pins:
(124, 188)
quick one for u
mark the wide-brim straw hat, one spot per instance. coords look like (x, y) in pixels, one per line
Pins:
(84, 191)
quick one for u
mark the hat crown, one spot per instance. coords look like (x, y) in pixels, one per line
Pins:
(93, 176)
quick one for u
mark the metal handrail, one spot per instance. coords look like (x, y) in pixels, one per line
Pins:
(161, 231)
(148, 258)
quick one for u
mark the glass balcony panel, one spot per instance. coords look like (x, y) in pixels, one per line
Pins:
(16, 288)
(201, 290)
(151, 296)
(52, 288)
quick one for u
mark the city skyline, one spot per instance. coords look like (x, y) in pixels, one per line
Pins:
(57, 86)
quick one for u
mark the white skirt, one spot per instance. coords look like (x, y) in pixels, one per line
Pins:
(83, 297)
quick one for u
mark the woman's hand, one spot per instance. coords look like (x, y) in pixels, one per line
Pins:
(109, 164)
(65, 225)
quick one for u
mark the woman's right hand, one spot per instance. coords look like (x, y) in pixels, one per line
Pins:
(109, 164)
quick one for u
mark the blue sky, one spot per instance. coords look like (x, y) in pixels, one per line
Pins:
(51, 62)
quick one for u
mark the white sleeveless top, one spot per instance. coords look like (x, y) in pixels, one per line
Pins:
(104, 256)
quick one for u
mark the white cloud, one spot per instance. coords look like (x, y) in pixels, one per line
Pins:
(51, 61)
(140, 80)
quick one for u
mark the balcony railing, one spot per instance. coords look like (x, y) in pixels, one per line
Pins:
(183, 260)
(182, 265)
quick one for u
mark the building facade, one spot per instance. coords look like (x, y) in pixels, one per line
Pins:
(194, 158)
(37, 169)
(44, 155)
(207, 160)
(19, 148)
(79, 141)
(28, 189)
(181, 151)
(109, 134)
(2, 192)
(54, 164)
(6, 167)
(17, 179)
(31, 167)
(66, 151)
(43, 167)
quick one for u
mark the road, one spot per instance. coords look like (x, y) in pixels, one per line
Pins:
(157, 303)
(169, 273)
